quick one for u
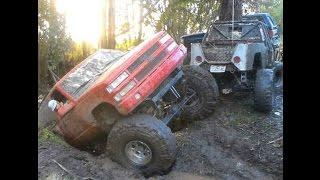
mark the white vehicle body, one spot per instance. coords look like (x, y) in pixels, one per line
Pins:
(245, 51)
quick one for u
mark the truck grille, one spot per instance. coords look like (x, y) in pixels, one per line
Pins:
(150, 57)
(143, 57)
(153, 62)
(147, 54)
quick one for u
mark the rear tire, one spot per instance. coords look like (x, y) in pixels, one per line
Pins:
(278, 75)
(264, 90)
(205, 86)
(143, 143)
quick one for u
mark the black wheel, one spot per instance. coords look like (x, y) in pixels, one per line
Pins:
(264, 90)
(206, 92)
(143, 143)
(278, 75)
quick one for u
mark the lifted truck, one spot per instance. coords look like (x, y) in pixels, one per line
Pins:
(241, 56)
(266, 18)
(127, 101)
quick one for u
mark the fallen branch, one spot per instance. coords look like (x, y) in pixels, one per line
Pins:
(280, 138)
(69, 172)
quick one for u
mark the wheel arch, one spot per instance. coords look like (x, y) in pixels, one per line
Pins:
(106, 115)
(257, 62)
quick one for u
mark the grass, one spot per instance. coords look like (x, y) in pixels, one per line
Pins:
(242, 117)
(47, 135)
(246, 117)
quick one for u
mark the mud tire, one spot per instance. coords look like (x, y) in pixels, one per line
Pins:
(206, 88)
(264, 90)
(149, 130)
(278, 75)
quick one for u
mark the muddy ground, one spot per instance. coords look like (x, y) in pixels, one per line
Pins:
(234, 143)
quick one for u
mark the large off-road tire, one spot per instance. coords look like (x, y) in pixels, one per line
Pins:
(264, 90)
(205, 86)
(278, 75)
(143, 143)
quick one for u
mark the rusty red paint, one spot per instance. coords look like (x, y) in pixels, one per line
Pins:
(75, 118)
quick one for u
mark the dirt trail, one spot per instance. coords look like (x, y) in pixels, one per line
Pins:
(234, 143)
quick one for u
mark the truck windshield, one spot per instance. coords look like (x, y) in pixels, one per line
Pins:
(239, 31)
(271, 21)
(80, 79)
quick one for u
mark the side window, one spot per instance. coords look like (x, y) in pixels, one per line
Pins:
(56, 95)
(259, 18)
(271, 21)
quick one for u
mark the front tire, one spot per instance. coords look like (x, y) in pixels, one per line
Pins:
(143, 143)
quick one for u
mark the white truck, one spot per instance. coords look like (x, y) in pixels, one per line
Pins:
(240, 55)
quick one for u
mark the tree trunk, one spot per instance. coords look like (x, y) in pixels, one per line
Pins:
(225, 12)
(107, 38)
(103, 36)
(140, 21)
(43, 64)
(39, 67)
(85, 50)
(111, 25)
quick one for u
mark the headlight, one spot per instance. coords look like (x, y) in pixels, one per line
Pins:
(124, 91)
(117, 81)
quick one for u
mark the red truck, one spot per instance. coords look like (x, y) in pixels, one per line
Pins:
(128, 102)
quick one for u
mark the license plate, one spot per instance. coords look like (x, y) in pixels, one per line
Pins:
(217, 69)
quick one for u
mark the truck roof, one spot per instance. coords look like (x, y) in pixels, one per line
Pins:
(238, 22)
(194, 34)
(257, 14)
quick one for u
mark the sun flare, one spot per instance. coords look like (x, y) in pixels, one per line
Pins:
(83, 18)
